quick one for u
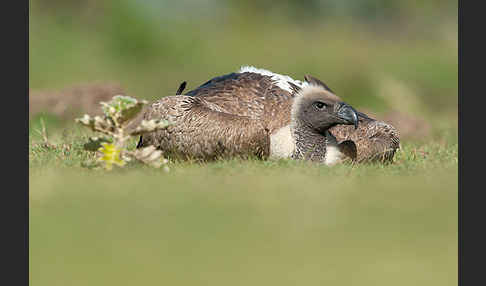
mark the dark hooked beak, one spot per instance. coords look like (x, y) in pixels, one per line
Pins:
(348, 114)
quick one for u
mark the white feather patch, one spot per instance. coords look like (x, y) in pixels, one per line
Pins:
(333, 155)
(281, 81)
(282, 144)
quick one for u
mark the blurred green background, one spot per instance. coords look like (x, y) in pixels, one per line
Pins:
(249, 223)
(379, 55)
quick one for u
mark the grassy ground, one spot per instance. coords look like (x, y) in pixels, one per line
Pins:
(242, 222)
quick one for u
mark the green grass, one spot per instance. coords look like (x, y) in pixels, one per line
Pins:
(242, 222)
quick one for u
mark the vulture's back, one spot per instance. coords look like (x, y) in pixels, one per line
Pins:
(249, 94)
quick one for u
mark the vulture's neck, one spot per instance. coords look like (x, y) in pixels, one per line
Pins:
(309, 144)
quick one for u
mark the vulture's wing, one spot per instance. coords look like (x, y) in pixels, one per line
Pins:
(249, 94)
(203, 130)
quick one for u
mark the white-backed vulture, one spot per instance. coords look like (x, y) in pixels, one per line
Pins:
(204, 130)
(264, 99)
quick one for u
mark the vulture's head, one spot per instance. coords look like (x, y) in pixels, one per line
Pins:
(316, 108)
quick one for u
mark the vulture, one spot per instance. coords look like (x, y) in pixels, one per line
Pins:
(255, 112)
(204, 131)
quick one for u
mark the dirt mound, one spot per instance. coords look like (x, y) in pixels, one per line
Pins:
(73, 101)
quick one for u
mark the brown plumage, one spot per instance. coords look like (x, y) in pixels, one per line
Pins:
(268, 97)
(204, 131)
(375, 140)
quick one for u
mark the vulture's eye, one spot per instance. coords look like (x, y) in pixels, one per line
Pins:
(319, 105)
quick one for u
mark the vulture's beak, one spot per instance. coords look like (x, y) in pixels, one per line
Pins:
(347, 113)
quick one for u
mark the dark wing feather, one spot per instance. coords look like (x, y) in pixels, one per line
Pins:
(295, 88)
(235, 94)
(181, 88)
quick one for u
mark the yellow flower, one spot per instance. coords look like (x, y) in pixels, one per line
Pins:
(111, 155)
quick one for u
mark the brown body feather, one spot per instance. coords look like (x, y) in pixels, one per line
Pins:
(375, 140)
(249, 94)
(204, 131)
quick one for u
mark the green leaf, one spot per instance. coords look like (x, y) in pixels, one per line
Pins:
(122, 108)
